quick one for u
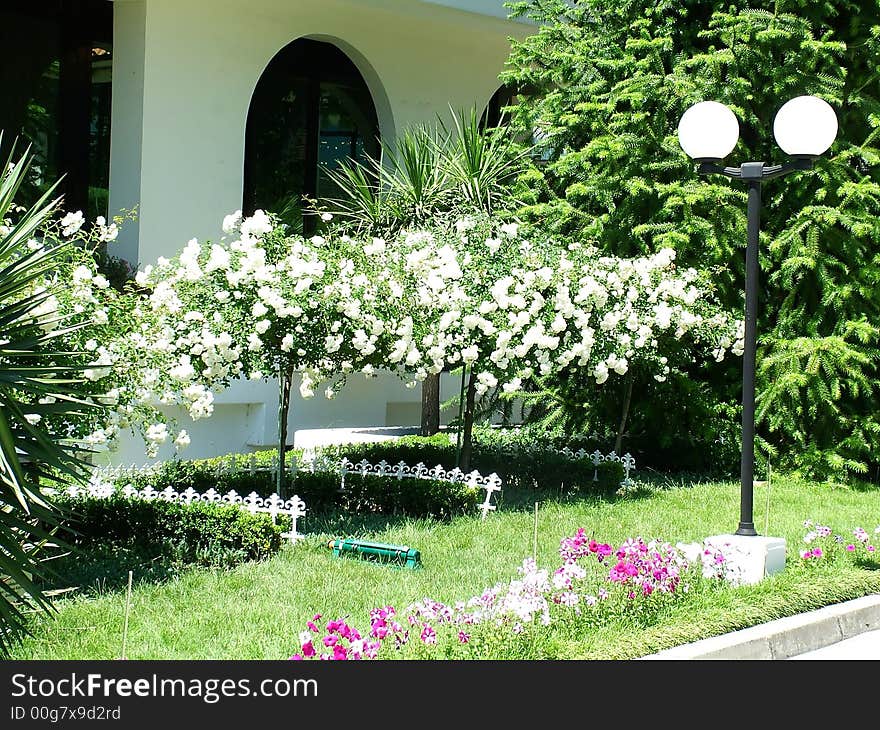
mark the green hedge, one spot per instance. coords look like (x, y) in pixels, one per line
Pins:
(519, 466)
(321, 492)
(208, 534)
(386, 495)
(203, 474)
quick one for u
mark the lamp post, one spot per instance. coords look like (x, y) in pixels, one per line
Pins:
(708, 131)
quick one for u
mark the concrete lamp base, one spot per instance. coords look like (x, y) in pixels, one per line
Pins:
(755, 556)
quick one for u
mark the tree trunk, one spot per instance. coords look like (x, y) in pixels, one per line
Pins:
(467, 434)
(430, 405)
(618, 442)
(284, 378)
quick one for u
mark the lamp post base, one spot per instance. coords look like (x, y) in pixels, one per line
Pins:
(754, 557)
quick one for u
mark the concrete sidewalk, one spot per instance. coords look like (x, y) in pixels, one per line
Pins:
(849, 630)
(863, 646)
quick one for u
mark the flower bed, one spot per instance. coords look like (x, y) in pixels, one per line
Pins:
(596, 582)
(824, 545)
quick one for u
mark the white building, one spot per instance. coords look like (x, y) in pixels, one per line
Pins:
(191, 109)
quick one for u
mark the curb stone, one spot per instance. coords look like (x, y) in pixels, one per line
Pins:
(786, 637)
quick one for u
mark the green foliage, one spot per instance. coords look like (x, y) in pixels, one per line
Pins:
(39, 379)
(321, 491)
(524, 462)
(366, 494)
(427, 176)
(607, 85)
(207, 534)
(226, 473)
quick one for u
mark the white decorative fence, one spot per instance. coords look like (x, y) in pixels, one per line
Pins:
(402, 470)
(627, 461)
(272, 505)
(102, 483)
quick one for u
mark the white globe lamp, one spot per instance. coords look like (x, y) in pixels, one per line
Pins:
(805, 126)
(708, 131)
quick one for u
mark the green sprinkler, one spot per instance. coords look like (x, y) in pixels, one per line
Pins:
(378, 552)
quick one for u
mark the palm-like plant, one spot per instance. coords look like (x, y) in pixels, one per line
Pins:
(428, 174)
(406, 187)
(431, 176)
(482, 164)
(37, 381)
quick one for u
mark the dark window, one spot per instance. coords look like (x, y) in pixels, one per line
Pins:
(311, 110)
(494, 114)
(56, 77)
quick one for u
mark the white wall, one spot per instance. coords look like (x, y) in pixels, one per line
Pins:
(129, 36)
(201, 61)
(485, 7)
(184, 74)
(245, 416)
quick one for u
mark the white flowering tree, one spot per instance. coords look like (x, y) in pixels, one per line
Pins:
(511, 310)
(260, 303)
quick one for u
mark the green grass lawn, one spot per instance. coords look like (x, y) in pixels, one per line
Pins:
(256, 611)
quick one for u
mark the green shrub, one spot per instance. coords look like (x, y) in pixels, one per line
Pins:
(321, 491)
(200, 533)
(386, 495)
(521, 458)
(216, 473)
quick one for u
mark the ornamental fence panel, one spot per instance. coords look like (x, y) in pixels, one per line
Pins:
(104, 480)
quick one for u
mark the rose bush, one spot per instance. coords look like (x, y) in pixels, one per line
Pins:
(260, 303)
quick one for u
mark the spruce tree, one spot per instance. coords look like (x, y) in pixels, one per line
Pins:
(605, 85)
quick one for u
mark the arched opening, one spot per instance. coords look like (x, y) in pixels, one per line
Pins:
(494, 114)
(311, 110)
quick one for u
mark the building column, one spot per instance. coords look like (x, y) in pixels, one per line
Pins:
(126, 141)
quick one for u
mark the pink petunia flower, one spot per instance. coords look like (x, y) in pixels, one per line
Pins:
(428, 635)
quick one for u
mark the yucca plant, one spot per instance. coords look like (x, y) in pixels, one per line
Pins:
(407, 187)
(38, 381)
(426, 175)
(482, 164)
(430, 176)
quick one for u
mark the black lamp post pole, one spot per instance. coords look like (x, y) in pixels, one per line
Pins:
(753, 173)
(747, 464)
